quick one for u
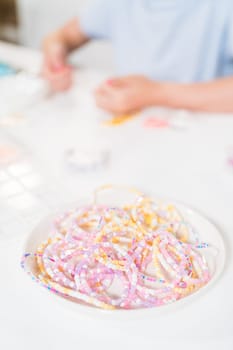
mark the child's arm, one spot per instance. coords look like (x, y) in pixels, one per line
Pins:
(214, 96)
(128, 94)
(56, 48)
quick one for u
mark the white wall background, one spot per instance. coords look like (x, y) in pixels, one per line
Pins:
(39, 17)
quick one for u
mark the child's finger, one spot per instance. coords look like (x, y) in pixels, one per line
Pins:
(62, 81)
(112, 84)
(110, 102)
(59, 75)
(60, 86)
(55, 57)
(59, 81)
(117, 82)
(103, 100)
(110, 89)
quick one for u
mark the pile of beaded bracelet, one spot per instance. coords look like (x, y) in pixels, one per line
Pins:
(135, 256)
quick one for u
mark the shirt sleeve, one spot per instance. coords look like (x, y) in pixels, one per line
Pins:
(97, 20)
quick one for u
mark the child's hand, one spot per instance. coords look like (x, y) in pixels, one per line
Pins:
(55, 68)
(127, 95)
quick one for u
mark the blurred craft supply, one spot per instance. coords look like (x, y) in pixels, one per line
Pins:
(154, 122)
(119, 120)
(6, 69)
(230, 157)
(230, 161)
(173, 120)
(83, 160)
(176, 120)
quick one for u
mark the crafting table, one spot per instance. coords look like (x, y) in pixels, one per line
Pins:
(188, 164)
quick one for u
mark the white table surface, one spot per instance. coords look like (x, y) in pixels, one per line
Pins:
(189, 165)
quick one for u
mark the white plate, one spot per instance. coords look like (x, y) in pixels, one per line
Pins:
(207, 231)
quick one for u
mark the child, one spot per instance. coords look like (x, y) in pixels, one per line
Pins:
(171, 53)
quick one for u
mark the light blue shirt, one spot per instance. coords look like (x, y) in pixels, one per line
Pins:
(166, 40)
